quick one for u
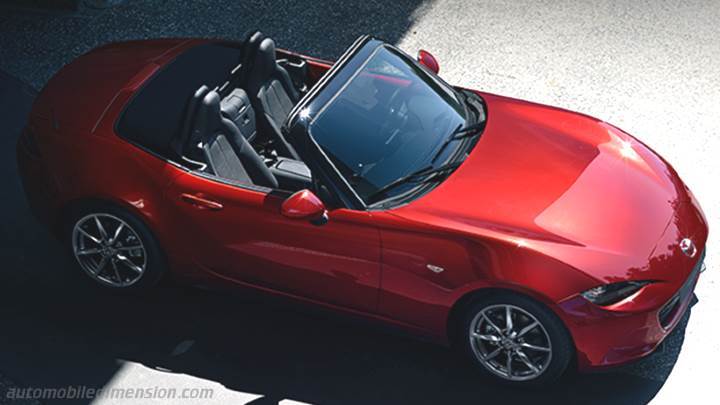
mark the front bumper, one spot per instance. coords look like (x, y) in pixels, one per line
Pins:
(606, 338)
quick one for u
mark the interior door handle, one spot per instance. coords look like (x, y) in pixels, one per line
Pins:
(200, 202)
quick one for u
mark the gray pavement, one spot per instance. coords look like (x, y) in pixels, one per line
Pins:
(647, 66)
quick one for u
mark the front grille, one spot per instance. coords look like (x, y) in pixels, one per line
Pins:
(668, 311)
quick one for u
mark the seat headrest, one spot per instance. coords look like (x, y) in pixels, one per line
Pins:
(264, 64)
(252, 40)
(207, 120)
(179, 143)
(237, 108)
(247, 55)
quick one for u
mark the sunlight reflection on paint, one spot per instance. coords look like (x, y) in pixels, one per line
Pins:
(521, 243)
(624, 147)
(140, 204)
(627, 151)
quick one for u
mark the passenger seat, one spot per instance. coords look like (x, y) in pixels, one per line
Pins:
(272, 94)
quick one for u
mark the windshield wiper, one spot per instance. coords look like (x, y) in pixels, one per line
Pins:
(460, 133)
(424, 175)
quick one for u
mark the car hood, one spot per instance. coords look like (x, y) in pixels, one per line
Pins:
(562, 183)
(92, 81)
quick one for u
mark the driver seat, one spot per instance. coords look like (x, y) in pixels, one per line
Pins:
(272, 93)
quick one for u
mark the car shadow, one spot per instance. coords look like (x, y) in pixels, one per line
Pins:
(57, 330)
(70, 333)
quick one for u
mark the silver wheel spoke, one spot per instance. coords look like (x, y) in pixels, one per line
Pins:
(127, 248)
(508, 320)
(508, 364)
(489, 338)
(129, 263)
(87, 235)
(493, 354)
(117, 272)
(117, 233)
(527, 329)
(101, 265)
(89, 252)
(491, 323)
(534, 347)
(525, 359)
(103, 234)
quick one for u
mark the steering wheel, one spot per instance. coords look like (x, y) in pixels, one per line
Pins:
(395, 119)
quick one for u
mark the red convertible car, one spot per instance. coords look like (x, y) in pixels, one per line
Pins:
(534, 238)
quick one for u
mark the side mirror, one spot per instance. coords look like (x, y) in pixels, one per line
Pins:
(426, 59)
(304, 204)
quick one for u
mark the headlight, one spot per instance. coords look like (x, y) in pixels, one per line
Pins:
(611, 293)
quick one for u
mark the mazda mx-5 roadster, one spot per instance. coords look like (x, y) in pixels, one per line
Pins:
(534, 239)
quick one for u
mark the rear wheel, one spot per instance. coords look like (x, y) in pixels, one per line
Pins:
(516, 340)
(115, 249)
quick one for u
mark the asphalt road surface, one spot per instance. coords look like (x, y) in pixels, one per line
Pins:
(649, 67)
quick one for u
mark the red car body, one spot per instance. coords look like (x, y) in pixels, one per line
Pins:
(549, 203)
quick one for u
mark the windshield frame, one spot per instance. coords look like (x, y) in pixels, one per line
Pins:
(329, 87)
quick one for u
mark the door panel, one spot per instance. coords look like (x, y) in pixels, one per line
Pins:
(240, 234)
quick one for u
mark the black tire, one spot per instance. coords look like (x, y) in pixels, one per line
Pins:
(562, 348)
(155, 264)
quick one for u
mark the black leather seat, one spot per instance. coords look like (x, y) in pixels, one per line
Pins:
(271, 92)
(237, 108)
(179, 144)
(247, 56)
(226, 150)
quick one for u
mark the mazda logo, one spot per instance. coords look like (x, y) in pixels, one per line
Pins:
(688, 247)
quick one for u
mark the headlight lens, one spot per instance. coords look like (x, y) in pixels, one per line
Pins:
(611, 293)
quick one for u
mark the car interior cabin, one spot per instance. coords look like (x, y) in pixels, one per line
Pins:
(218, 109)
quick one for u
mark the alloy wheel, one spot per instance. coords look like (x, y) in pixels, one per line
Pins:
(510, 342)
(109, 250)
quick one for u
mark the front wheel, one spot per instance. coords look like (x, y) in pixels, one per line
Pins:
(115, 249)
(517, 340)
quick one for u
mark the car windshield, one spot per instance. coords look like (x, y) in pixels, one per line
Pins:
(389, 120)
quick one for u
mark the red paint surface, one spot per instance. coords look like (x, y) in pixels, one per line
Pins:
(303, 204)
